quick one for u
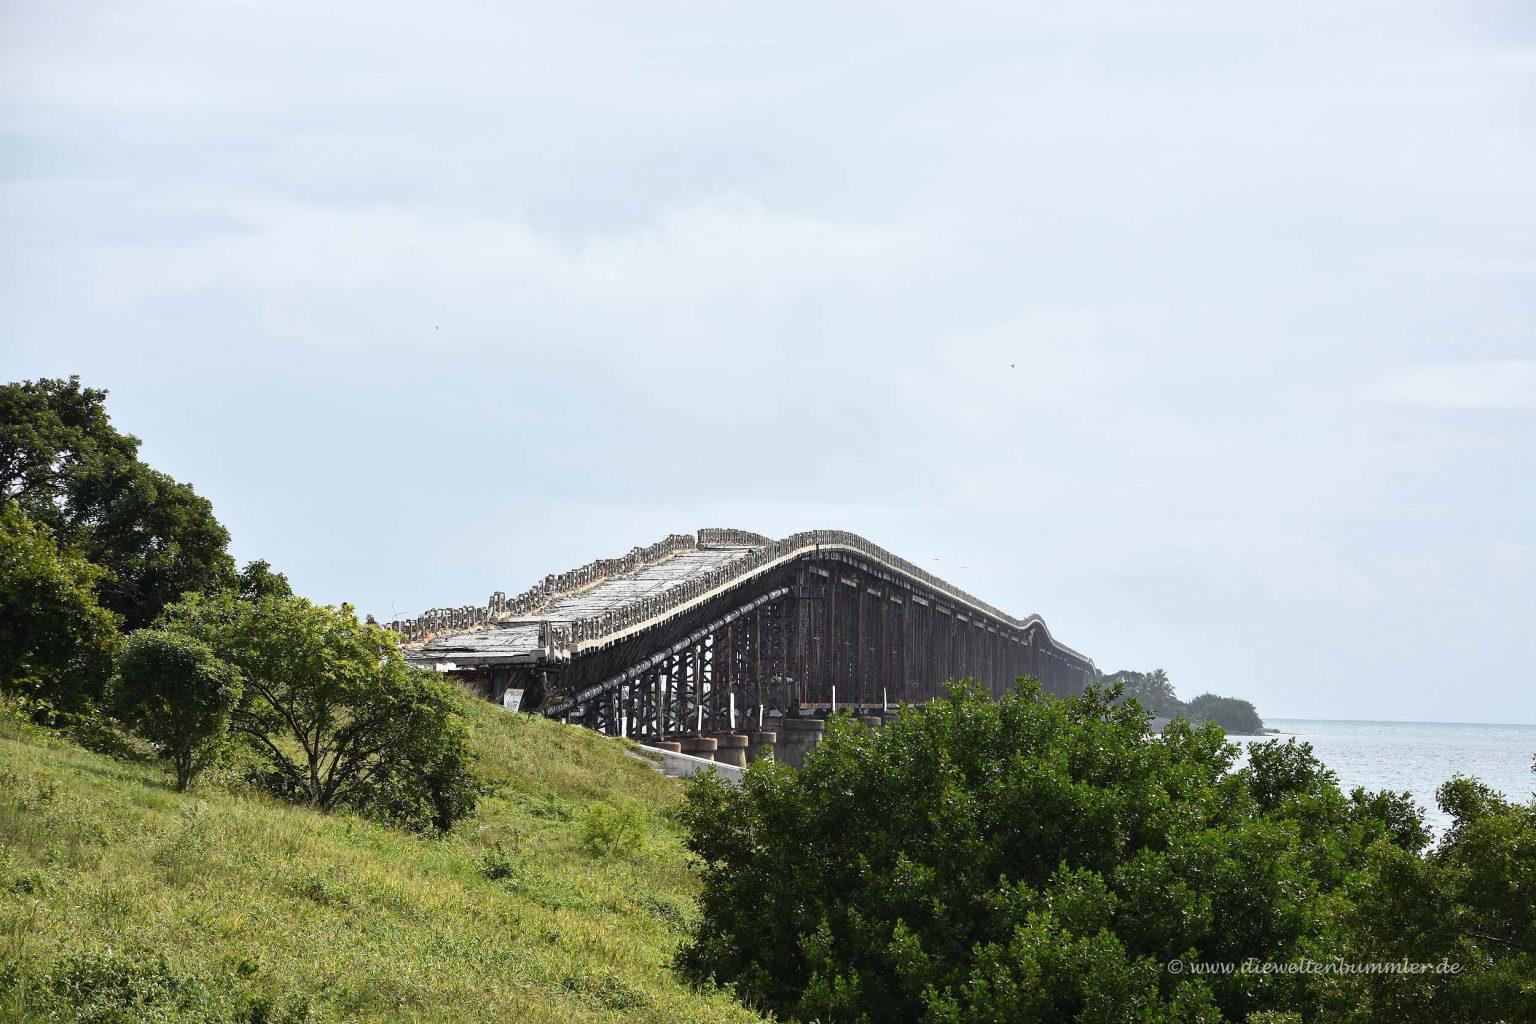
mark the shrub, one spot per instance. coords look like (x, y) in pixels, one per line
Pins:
(1470, 902)
(548, 805)
(669, 912)
(497, 864)
(613, 831)
(174, 692)
(110, 986)
(605, 992)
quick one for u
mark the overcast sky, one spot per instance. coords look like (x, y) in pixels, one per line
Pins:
(1206, 330)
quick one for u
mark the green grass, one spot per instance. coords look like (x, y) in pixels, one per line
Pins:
(562, 899)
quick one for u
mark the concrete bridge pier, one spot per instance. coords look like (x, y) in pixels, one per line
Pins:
(759, 744)
(798, 737)
(732, 749)
(701, 746)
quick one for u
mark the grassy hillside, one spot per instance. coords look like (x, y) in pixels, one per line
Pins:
(561, 900)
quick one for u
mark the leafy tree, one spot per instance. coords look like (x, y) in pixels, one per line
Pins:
(1470, 903)
(421, 776)
(72, 471)
(51, 432)
(1029, 859)
(332, 706)
(56, 642)
(173, 691)
(257, 580)
(158, 539)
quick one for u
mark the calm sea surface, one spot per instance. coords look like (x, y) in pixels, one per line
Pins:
(1417, 757)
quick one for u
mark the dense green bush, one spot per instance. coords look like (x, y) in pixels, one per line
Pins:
(178, 695)
(1043, 859)
(1470, 902)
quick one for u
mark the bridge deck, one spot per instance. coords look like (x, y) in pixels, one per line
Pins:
(517, 639)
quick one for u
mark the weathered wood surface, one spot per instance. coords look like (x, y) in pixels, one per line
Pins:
(513, 638)
(538, 599)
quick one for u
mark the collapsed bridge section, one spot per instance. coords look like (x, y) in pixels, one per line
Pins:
(729, 630)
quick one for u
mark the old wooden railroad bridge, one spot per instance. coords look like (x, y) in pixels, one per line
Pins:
(728, 632)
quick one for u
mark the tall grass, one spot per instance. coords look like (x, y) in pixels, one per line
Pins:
(562, 899)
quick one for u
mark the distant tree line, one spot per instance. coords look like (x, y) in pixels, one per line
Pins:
(122, 610)
(1153, 691)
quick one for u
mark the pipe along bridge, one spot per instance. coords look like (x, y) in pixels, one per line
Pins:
(726, 637)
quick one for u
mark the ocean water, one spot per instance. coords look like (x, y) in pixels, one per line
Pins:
(1416, 757)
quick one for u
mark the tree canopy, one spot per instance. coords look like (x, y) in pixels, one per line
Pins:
(56, 642)
(1045, 859)
(70, 470)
